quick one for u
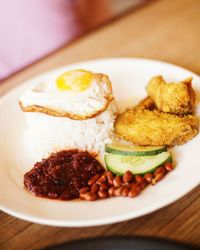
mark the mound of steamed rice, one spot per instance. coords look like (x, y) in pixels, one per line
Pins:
(47, 134)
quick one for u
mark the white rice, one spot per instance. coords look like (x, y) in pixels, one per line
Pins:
(46, 134)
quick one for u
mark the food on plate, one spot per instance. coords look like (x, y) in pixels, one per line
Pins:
(70, 174)
(62, 175)
(133, 150)
(71, 121)
(154, 128)
(119, 164)
(174, 98)
(76, 94)
(74, 109)
(109, 184)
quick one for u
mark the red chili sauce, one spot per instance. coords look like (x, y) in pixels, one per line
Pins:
(62, 174)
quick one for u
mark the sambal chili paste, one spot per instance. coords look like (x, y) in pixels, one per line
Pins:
(62, 174)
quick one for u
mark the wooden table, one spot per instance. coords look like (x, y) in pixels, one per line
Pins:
(165, 30)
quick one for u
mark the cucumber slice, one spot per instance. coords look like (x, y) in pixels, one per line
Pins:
(134, 150)
(119, 164)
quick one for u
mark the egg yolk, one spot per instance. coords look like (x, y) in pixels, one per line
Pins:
(75, 80)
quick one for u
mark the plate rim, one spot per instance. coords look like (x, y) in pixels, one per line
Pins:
(6, 94)
(92, 222)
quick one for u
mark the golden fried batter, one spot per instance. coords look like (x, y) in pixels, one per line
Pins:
(146, 103)
(154, 128)
(174, 98)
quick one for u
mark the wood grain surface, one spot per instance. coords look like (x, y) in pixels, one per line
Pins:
(164, 30)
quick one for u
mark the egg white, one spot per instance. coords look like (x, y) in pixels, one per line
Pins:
(78, 104)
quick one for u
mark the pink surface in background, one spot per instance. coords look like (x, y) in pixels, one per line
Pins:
(30, 29)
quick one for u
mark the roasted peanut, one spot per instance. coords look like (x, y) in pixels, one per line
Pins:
(111, 191)
(160, 170)
(104, 186)
(81, 196)
(118, 191)
(101, 180)
(143, 184)
(169, 167)
(148, 177)
(135, 190)
(93, 179)
(157, 178)
(94, 188)
(84, 190)
(129, 185)
(102, 194)
(117, 182)
(138, 178)
(110, 180)
(125, 191)
(109, 174)
(127, 177)
(89, 196)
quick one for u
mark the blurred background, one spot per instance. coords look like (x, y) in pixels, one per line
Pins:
(31, 29)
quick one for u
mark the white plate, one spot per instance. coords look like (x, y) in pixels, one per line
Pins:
(129, 77)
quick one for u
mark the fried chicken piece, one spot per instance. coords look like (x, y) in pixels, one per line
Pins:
(146, 103)
(154, 128)
(174, 98)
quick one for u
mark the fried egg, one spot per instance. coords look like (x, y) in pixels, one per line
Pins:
(77, 94)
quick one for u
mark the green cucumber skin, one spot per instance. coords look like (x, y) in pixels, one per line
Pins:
(134, 153)
(143, 173)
